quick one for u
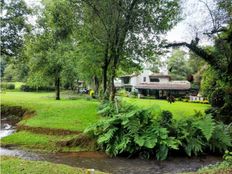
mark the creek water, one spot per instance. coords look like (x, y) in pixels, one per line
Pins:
(99, 161)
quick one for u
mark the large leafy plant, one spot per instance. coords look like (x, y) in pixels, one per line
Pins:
(133, 132)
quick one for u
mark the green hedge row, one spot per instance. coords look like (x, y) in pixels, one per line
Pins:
(7, 86)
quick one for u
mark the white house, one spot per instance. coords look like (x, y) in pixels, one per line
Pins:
(148, 83)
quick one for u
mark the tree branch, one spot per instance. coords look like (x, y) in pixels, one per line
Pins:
(211, 59)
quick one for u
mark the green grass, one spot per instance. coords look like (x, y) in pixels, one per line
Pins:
(64, 114)
(70, 114)
(39, 142)
(178, 109)
(12, 165)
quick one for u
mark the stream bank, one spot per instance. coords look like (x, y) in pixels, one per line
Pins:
(101, 162)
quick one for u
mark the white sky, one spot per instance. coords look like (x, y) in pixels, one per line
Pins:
(195, 20)
(194, 14)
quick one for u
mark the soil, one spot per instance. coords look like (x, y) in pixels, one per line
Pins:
(47, 131)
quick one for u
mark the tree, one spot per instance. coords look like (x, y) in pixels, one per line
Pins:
(178, 65)
(130, 29)
(51, 50)
(14, 14)
(219, 57)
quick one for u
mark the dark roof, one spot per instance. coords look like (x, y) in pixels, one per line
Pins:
(168, 85)
(159, 75)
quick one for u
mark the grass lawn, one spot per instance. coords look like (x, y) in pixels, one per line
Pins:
(178, 109)
(40, 142)
(12, 165)
(71, 114)
(64, 114)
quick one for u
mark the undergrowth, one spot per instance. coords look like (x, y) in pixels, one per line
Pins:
(129, 130)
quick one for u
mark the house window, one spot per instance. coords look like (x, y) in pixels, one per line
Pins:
(144, 79)
(126, 80)
(154, 80)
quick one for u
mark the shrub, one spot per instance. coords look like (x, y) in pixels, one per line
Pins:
(166, 118)
(217, 98)
(110, 109)
(27, 88)
(7, 86)
(131, 130)
(221, 138)
(123, 93)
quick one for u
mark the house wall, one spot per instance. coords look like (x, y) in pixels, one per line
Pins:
(164, 80)
(145, 74)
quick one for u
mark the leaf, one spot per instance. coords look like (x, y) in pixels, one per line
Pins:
(206, 125)
(107, 136)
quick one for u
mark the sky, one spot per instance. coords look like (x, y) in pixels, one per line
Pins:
(194, 14)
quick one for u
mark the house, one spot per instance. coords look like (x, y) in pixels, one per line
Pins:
(148, 83)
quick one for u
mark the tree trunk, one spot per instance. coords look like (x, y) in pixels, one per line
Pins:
(113, 89)
(104, 79)
(57, 86)
(104, 70)
(96, 84)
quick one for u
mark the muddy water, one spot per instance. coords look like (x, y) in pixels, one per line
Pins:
(100, 161)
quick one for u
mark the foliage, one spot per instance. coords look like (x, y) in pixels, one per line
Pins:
(51, 52)
(122, 93)
(221, 138)
(166, 118)
(122, 30)
(110, 109)
(7, 85)
(217, 98)
(27, 88)
(178, 65)
(131, 130)
(13, 26)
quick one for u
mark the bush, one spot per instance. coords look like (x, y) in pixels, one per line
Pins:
(27, 88)
(131, 130)
(166, 118)
(217, 98)
(122, 93)
(7, 86)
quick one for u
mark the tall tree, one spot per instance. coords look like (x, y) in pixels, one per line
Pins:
(130, 28)
(13, 18)
(50, 51)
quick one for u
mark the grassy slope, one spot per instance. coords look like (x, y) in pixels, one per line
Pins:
(179, 109)
(14, 165)
(40, 142)
(64, 114)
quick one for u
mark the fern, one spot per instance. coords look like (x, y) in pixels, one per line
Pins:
(194, 145)
(206, 125)
(130, 130)
(221, 138)
(106, 137)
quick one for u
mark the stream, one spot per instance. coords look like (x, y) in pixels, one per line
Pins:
(117, 165)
